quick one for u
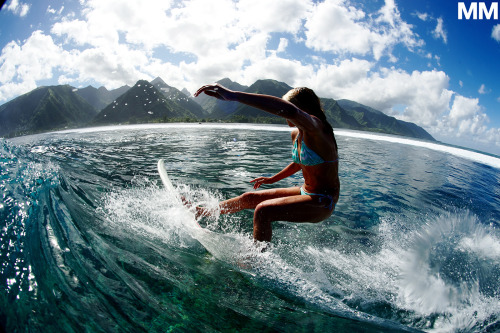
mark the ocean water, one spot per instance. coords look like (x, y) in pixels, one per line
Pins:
(91, 242)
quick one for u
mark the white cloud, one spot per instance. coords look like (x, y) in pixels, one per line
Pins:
(439, 32)
(335, 26)
(475, 126)
(425, 95)
(205, 26)
(291, 72)
(116, 40)
(282, 45)
(340, 80)
(52, 11)
(21, 66)
(495, 34)
(422, 16)
(220, 36)
(81, 33)
(112, 67)
(18, 8)
(272, 16)
(463, 109)
(492, 135)
(467, 124)
(482, 90)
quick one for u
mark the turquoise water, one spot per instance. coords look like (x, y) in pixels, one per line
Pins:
(90, 241)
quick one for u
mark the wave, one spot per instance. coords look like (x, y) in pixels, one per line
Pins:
(126, 245)
(437, 277)
(25, 180)
(490, 160)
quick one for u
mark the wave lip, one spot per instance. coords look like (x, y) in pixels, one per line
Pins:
(483, 158)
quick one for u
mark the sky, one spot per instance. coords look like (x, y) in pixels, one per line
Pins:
(414, 60)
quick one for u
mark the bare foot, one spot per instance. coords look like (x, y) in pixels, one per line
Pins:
(202, 212)
(186, 202)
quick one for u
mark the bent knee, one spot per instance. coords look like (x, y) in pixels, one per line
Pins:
(265, 212)
(260, 208)
(247, 196)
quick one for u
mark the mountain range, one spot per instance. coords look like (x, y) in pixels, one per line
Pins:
(58, 107)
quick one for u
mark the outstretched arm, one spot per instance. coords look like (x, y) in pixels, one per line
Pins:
(271, 104)
(289, 170)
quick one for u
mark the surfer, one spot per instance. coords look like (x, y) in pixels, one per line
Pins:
(314, 152)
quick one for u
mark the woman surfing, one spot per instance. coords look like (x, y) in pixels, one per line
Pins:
(314, 152)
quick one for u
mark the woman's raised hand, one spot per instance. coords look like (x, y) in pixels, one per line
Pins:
(217, 91)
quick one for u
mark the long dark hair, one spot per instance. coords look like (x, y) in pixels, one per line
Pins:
(306, 99)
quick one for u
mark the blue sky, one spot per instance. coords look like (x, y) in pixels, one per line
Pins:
(414, 60)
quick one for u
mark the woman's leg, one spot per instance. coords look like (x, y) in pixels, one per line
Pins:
(282, 204)
(299, 208)
(249, 200)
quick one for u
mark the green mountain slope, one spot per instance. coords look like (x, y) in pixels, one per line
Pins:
(44, 109)
(179, 98)
(377, 121)
(143, 103)
(337, 116)
(100, 98)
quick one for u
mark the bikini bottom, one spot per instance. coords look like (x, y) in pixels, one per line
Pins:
(326, 199)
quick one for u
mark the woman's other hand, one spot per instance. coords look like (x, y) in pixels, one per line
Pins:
(261, 180)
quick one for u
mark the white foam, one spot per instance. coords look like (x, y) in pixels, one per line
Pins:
(409, 274)
(483, 245)
(424, 284)
(147, 212)
(253, 127)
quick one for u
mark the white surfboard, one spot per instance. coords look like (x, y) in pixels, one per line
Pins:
(166, 181)
(222, 246)
(173, 191)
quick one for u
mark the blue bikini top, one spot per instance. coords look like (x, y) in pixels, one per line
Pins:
(307, 156)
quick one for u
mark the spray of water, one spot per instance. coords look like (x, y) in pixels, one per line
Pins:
(441, 276)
